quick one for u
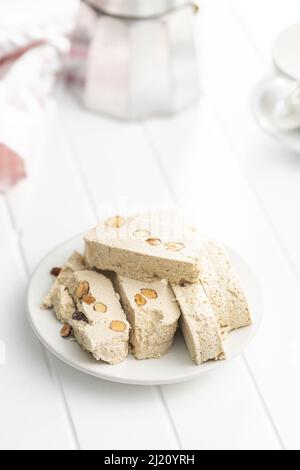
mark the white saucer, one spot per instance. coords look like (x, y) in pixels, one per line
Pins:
(174, 367)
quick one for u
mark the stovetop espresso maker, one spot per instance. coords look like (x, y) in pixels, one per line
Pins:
(135, 59)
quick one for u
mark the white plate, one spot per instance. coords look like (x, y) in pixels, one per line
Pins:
(176, 366)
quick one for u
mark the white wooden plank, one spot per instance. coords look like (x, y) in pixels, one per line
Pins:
(269, 166)
(273, 174)
(264, 20)
(51, 205)
(31, 413)
(207, 175)
(272, 171)
(130, 417)
(135, 158)
(225, 424)
(58, 209)
(114, 159)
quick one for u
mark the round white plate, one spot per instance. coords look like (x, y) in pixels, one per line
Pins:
(176, 366)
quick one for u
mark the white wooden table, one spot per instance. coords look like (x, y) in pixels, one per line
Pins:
(247, 192)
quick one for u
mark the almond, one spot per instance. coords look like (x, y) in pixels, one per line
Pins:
(80, 316)
(140, 233)
(88, 299)
(140, 300)
(174, 246)
(82, 289)
(55, 272)
(117, 325)
(115, 222)
(100, 307)
(153, 241)
(149, 293)
(66, 330)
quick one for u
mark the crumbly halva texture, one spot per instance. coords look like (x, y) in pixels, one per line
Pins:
(63, 304)
(153, 314)
(88, 303)
(237, 309)
(215, 291)
(75, 262)
(198, 323)
(218, 279)
(136, 248)
(105, 334)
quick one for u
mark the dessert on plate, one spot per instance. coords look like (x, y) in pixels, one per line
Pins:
(198, 322)
(132, 247)
(88, 306)
(140, 281)
(153, 314)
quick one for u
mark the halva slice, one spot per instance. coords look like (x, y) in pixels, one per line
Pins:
(215, 291)
(237, 311)
(58, 297)
(86, 301)
(140, 249)
(198, 323)
(99, 323)
(153, 314)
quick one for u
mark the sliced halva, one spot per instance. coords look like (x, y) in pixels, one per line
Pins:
(140, 249)
(86, 301)
(99, 323)
(237, 312)
(153, 315)
(198, 323)
(56, 294)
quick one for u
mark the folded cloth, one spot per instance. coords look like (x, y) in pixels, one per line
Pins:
(27, 78)
(12, 168)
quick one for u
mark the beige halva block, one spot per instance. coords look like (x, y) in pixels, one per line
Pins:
(215, 292)
(237, 312)
(137, 248)
(86, 301)
(153, 314)
(56, 294)
(99, 324)
(198, 323)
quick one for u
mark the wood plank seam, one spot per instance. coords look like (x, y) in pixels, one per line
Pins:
(268, 413)
(170, 417)
(255, 47)
(222, 127)
(243, 26)
(47, 356)
(248, 36)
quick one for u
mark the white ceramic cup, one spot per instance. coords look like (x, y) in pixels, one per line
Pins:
(277, 98)
(286, 58)
(286, 52)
